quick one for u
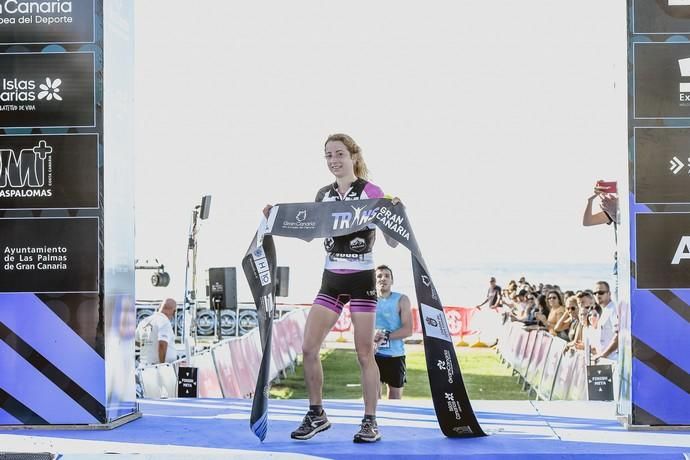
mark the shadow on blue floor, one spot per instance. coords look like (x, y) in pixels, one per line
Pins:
(408, 432)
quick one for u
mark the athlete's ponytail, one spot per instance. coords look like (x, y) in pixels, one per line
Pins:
(361, 169)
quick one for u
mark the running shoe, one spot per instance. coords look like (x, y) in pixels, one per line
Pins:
(311, 425)
(368, 432)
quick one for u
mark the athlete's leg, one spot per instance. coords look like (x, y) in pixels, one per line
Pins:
(363, 323)
(394, 393)
(320, 321)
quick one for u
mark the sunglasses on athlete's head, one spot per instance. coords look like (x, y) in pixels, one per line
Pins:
(600, 292)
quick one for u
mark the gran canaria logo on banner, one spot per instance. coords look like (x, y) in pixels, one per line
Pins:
(56, 21)
(12, 8)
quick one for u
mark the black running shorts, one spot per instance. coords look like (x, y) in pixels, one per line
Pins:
(393, 370)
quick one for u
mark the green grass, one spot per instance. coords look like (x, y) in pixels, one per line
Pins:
(485, 377)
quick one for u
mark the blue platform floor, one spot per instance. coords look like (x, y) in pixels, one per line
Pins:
(215, 429)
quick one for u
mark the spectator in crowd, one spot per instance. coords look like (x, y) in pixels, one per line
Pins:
(155, 335)
(523, 284)
(518, 304)
(393, 324)
(526, 309)
(566, 321)
(557, 310)
(592, 333)
(567, 294)
(493, 295)
(608, 322)
(576, 331)
(542, 313)
(512, 288)
(584, 327)
(585, 302)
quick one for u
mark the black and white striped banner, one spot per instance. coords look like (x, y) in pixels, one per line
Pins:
(307, 221)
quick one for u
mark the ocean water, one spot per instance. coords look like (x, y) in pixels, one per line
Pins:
(467, 285)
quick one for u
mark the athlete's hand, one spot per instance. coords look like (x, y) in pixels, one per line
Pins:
(394, 200)
(267, 210)
(378, 336)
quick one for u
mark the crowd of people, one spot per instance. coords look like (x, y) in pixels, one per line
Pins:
(586, 319)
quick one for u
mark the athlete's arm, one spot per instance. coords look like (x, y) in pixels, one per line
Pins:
(405, 318)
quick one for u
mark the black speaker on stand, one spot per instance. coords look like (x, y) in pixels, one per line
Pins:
(282, 285)
(282, 281)
(222, 293)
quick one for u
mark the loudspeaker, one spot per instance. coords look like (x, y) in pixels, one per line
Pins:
(205, 207)
(222, 288)
(247, 321)
(205, 322)
(282, 281)
(228, 323)
(143, 313)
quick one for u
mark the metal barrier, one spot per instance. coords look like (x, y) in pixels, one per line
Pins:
(229, 369)
(539, 360)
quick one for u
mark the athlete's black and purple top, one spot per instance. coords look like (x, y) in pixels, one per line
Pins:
(349, 267)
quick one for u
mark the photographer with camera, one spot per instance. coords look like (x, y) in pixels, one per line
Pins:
(607, 193)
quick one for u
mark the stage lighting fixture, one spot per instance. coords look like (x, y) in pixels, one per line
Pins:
(160, 279)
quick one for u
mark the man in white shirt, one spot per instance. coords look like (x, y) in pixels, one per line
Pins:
(156, 337)
(608, 322)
